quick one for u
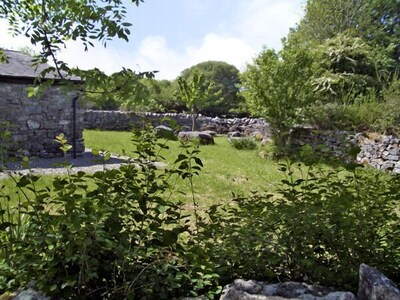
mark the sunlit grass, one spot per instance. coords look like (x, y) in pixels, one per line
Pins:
(226, 170)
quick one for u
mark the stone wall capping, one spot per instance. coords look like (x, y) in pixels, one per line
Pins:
(373, 285)
(122, 120)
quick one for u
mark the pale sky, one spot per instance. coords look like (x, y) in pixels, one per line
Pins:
(171, 35)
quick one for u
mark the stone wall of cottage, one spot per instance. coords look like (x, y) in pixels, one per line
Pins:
(34, 122)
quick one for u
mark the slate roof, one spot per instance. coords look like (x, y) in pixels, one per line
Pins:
(19, 67)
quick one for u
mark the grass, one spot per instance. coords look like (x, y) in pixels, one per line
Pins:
(226, 170)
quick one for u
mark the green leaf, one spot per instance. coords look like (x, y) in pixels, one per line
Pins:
(198, 161)
(107, 156)
(53, 287)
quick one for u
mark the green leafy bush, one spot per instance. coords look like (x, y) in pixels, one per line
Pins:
(114, 234)
(333, 116)
(372, 111)
(318, 228)
(243, 143)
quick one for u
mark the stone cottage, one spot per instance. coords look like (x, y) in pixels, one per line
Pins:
(35, 121)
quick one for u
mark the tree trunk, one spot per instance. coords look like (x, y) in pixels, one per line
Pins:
(193, 119)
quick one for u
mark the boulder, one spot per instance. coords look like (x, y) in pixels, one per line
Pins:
(210, 132)
(255, 290)
(204, 138)
(373, 285)
(166, 132)
(234, 134)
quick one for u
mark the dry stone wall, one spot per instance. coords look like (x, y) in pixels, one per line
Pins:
(379, 151)
(120, 120)
(34, 122)
(373, 285)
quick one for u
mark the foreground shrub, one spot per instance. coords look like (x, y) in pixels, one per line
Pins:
(115, 234)
(318, 227)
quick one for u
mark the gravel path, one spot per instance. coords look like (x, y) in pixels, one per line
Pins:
(86, 162)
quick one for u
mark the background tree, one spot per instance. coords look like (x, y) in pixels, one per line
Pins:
(225, 78)
(335, 69)
(350, 67)
(196, 92)
(162, 95)
(375, 21)
(277, 86)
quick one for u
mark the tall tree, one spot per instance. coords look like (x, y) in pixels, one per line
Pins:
(325, 19)
(195, 92)
(277, 86)
(162, 95)
(343, 52)
(375, 21)
(225, 78)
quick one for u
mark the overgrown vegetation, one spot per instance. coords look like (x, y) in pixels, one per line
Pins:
(318, 227)
(127, 233)
(338, 69)
(122, 235)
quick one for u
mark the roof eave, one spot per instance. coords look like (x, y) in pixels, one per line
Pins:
(31, 80)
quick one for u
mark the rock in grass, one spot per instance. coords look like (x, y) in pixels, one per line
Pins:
(210, 132)
(203, 138)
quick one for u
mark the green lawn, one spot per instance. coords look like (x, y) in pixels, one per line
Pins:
(225, 170)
